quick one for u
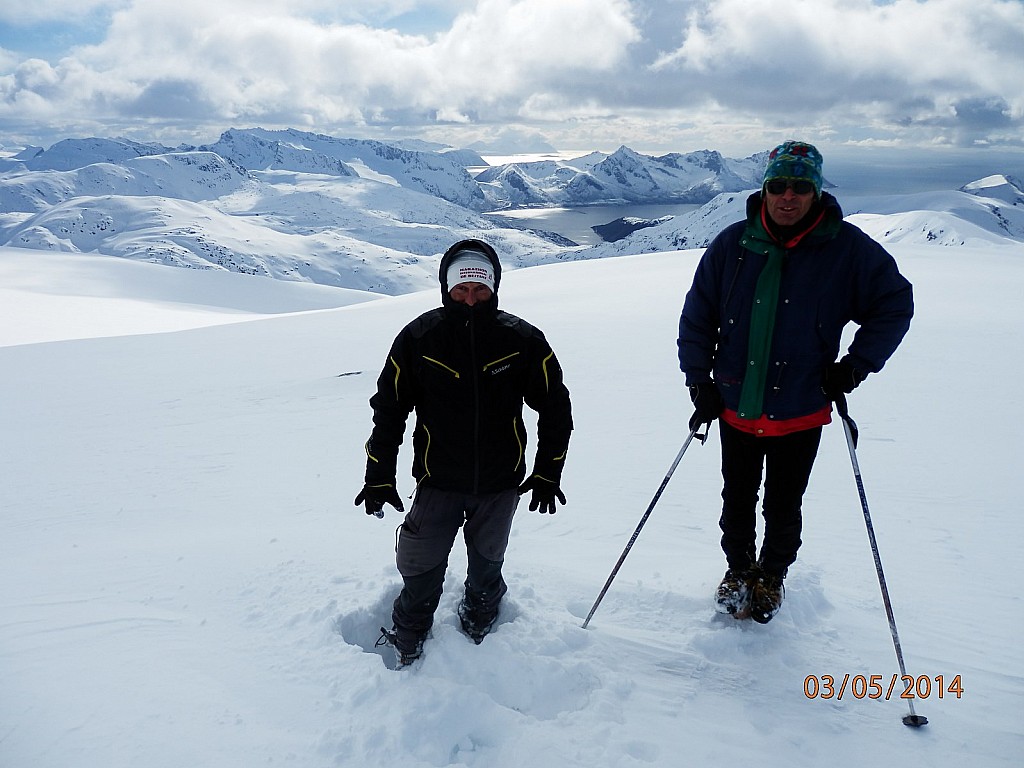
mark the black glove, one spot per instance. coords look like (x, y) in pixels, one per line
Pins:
(376, 496)
(544, 494)
(840, 378)
(708, 403)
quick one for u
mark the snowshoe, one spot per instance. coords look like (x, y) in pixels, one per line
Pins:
(766, 597)
(408, 647)
(734, 592)
(475, 623)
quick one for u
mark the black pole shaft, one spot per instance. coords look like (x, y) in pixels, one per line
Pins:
(643, 521)
(850, 429)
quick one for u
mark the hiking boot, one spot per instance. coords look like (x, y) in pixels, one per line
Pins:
(408, 645)
(475, 622)
(766, 597)
(733, 595)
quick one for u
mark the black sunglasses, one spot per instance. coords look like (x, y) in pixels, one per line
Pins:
(799, 186)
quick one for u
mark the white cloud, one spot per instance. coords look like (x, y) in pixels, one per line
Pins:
(670, 73)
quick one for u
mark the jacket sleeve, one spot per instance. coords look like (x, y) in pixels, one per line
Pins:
(699, 322)
(884, 309)
(391, 404)
(547, 394)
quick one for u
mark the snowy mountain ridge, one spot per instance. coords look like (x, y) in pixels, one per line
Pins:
(376, 216)
(977, 214)
(625, 176)
(345, 213)
(199, 175)
(430, 172)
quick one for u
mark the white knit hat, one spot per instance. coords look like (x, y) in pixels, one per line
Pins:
(470, 267)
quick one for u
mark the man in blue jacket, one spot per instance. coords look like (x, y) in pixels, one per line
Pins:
(759, 340)
(466, 368)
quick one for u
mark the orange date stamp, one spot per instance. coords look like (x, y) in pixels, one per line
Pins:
(829, 687)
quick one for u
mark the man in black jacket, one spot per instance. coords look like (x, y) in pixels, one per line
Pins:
(465, 368)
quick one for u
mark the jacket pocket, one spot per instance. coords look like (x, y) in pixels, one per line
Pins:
(437, 365)
(500, 365)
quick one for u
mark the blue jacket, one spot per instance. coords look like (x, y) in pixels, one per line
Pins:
(834, 276)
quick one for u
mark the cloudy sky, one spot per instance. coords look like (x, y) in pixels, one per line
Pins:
(656, 75)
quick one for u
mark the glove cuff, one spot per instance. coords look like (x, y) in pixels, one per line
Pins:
(706, 391)
(856, 374)
(550, 471)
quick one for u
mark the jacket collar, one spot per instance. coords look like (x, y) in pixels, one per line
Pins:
(821, 223)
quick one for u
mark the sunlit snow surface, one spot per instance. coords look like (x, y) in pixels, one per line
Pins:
(187, 583)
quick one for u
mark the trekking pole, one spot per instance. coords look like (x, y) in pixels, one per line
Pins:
(850, 427)
(643, 520)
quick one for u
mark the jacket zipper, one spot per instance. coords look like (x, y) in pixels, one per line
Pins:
(732, 283)
(442, 366)
(778, 378)
(476, 407)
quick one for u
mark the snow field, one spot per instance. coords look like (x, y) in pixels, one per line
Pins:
(187, 582)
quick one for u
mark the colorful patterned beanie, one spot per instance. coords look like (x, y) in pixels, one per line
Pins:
(795, 160)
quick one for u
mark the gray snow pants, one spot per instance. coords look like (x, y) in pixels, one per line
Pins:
(426, 538)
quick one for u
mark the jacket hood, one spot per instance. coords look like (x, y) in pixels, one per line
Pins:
(468, 245)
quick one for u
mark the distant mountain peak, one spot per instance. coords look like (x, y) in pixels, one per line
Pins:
(999, 187)
(625, 175)
(432, 173)
(69, 154)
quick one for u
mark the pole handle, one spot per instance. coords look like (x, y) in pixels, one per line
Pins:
(844, 413)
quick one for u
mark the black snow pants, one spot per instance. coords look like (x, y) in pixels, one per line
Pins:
(786, 462)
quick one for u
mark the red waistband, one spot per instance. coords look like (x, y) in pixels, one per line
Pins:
(766, 427)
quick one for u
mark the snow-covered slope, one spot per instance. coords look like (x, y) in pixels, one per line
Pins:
(946, 218)
(68, 154)
(997, 187)
(49, 296)
(187, 583)
(186, 175)
(937, 218)
(694, 229)
(432, 173)
(184, 234)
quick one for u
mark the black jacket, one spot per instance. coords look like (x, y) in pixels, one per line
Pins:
(466, 371)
